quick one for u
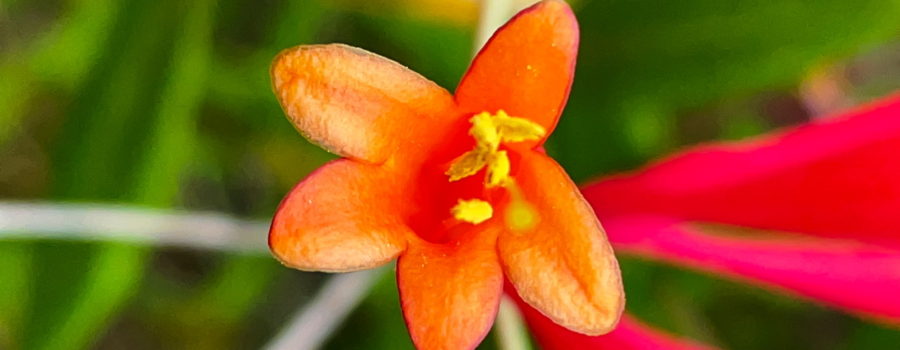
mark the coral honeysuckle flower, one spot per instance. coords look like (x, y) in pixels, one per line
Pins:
(457, 187)
(813, 211)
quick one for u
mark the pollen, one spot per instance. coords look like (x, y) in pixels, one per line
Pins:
(474, 211)
(467, 164)
(498, 170)
(512, 129)
(485, 132)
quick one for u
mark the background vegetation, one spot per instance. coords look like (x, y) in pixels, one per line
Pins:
(167, 104)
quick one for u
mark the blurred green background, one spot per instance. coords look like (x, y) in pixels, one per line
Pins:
(167, 104)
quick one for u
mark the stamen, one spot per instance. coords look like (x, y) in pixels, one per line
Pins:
(474, 211)
(513, 129)
(485, 131)
(489, 131)
(498, 170)
(467, 164)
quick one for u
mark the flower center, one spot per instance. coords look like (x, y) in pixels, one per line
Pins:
(489, 132)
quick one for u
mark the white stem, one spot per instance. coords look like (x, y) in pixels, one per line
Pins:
(309, 329)
(510, 328)
(99, 222)
(493, 14)
(313, 324)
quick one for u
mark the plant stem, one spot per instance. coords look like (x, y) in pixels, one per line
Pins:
(309, 329)
(511, 332)
(131, 224)
(314, 324)
(493, 14)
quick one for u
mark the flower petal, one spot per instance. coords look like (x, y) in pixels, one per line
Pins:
(340, 218)
(450, 292)
(630, 334)
(526, 68)
(563, 265)
(854, 276)
(837, 177)
(353, 102)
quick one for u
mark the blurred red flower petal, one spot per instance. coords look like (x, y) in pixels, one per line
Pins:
(836, 177)
(833, 184)
(630, 334)
(851, 275)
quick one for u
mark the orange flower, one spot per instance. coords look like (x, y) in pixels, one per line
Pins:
(458, 187)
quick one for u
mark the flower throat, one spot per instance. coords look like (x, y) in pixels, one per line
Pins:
(490, 131)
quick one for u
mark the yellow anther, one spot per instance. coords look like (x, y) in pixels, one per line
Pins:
(467, 164)
(484, 131)
(489, 131)
(497, 169)
(473, 211)
(513, 129)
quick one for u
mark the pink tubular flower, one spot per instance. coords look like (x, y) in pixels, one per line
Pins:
(813, 211)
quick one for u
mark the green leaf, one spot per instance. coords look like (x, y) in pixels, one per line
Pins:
(120, 144)
(16, 268)
(380, 317)
(77, 37)
(642, 61)
(439, 51)
(217, 307)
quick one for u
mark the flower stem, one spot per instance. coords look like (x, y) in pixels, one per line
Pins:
(493, 14)
(313, 324)
(511, 332)
(131, 224)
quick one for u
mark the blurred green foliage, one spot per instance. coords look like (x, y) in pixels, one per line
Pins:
(641, 62)
(168, 104)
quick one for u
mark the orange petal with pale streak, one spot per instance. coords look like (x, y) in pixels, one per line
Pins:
(352, 102)
(526, 68)
(450, 292)
(343, 217)
(564, 266)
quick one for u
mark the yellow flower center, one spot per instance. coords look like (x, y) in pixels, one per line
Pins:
(475, 211)
(489, 132)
